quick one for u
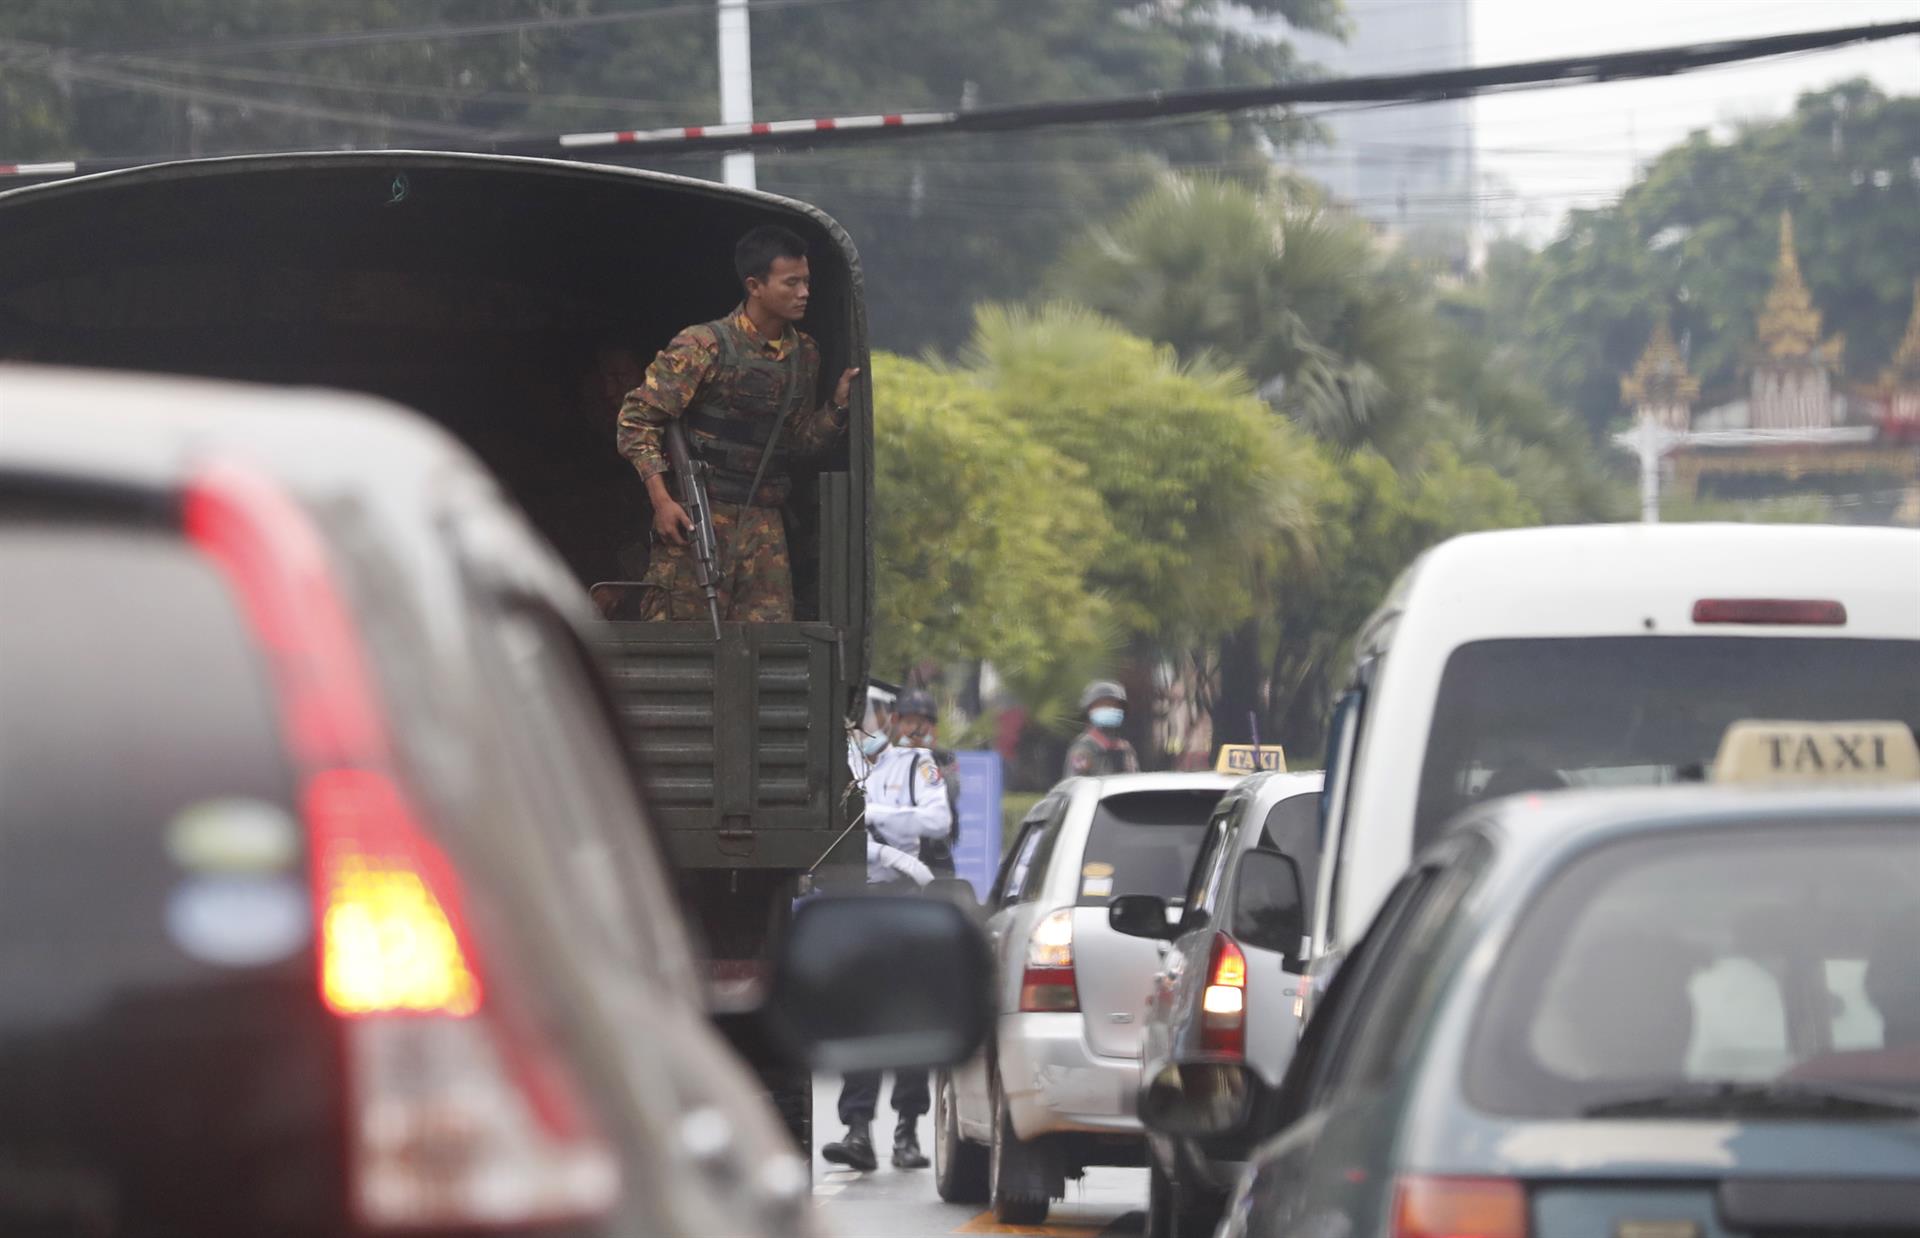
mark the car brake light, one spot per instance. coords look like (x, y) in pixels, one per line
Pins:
(1432, 1207)
(460, 1113)
(1781, 612)
(1223, 1005)
(1047, 983)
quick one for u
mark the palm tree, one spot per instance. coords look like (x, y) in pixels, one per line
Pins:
(1333, 332)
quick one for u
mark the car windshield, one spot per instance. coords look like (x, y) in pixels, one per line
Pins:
(1534, 715)
(1145, 842)
(1726, 971)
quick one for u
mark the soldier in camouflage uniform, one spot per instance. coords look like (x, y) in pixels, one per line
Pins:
(730, 382)
(1100, 749)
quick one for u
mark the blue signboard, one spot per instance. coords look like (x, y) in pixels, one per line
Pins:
(977, 857)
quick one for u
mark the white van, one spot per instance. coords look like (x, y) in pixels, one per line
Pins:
(1535, 659)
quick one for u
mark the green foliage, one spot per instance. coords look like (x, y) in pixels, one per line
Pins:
(943, 223)
(1297, 296)
(1201, 483)
(1372, 521)
(1696, 240)
(981, 533)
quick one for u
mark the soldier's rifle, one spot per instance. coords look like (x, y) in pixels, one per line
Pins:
(690, 479)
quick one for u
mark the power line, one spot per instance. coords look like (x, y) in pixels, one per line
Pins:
(1184, 106)
(444, 33)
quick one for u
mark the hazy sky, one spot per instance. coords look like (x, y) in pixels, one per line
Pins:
(1547, 151)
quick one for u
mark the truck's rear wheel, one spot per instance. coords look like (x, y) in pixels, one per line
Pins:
(1016, 1176)
(960, 1168)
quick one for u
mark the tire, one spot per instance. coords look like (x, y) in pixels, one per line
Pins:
(1016, 1175)
(960, 1169)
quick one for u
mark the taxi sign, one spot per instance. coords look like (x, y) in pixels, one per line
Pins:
(1247, 759)
(1802, 752)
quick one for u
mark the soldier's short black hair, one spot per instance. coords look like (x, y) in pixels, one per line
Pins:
(754, 254)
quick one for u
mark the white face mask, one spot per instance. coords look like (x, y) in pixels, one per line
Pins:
(872, 745)
(1107, 717)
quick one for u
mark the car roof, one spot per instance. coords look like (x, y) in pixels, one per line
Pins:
(1537, 830)
(1644, 578)
(1122, 784)
(330, 450)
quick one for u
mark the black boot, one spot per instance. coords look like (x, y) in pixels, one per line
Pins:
(855, 1151)
(906, 1143)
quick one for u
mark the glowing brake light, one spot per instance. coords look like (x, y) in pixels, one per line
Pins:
(1433, 1207)
(1048, 982)
(1223, 1004)
(461, 1113)
(1771, 612)
(384, 900)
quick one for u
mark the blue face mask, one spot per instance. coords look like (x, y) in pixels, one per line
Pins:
(872, 745)
(1107, 717)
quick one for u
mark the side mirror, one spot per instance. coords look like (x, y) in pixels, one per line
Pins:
(1140, 915)
(1269, 908)
(881, 983)
(1196, 1100)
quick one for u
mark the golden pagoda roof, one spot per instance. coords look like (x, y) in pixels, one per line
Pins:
(1789, 322)
(1904, 373)
(1660, 376)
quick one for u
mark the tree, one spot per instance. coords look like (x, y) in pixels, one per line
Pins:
(981, 539)
(943, 223)
(1696, 239)
(1298, 296)
(1372, 523)
(1200, 482)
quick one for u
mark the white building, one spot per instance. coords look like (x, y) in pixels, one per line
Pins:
(1409, 170)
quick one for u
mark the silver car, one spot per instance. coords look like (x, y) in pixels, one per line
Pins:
(1054, 1089)
(1230, 985)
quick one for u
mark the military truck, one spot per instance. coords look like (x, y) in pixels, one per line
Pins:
(514, 301)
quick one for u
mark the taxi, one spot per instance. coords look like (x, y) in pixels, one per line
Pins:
(1681, 1013)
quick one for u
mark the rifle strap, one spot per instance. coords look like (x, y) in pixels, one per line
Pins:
(788, 392)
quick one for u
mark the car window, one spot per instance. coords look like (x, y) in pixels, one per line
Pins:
(1203, 884)
(1748, 956)
(1025, 861)
(1408, 979)
(1345, 738)
(581, 793)
(1145, 842)
(1652, 709)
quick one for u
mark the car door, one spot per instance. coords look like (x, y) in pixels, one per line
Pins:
(1021, 870)
(1279, 1188)
(1172, 1023)
(1275, 1002)
(1337, 1176)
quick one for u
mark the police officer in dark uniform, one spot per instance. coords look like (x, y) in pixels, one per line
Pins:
(1100, 749)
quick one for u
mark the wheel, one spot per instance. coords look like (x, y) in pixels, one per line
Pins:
(1016, 1177)
(960, 1168)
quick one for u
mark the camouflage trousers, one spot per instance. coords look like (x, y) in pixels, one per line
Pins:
(756, 585)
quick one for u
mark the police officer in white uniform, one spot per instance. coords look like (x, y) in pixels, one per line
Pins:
(906, 802)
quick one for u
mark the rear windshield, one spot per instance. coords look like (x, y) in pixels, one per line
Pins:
(1145, 842)
(136, 706)
(1533, 715)
(1765, 958)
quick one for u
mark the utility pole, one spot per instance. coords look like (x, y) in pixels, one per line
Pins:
(1650, 441)
(736, 88)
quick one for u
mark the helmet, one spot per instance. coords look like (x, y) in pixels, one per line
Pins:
(917, 703)
(1100, 690)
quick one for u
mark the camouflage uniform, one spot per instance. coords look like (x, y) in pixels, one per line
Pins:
(1094, 753)
(729, 386)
